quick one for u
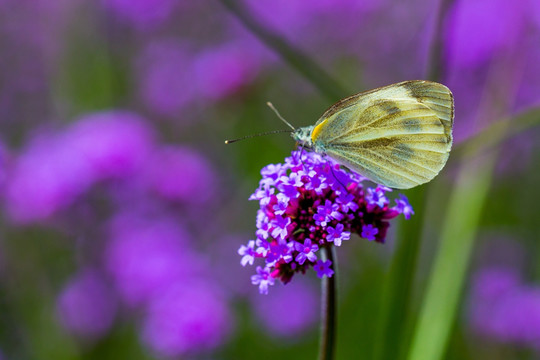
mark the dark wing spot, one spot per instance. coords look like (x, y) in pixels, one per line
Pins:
(389, 107)
(403, 151)
(383, 108)
(412, 125)
(379, 113)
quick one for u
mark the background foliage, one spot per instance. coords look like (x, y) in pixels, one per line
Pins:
(122, 210)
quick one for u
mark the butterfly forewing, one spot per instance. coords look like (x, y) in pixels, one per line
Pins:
(398, 136)
(437, 97)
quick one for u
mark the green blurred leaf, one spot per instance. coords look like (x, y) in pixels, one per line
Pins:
(457, 237)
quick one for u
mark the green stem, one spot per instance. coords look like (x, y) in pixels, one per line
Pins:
(398, 285)
(498, 132)
(328, 308)
(447, 278)
(299, 61)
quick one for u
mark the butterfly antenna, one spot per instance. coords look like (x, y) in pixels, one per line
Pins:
(279, 115)
(256, 135)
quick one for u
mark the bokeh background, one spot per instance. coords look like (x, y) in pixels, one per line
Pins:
(122, 210)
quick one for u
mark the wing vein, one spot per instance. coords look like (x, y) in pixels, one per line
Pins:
(401, 166)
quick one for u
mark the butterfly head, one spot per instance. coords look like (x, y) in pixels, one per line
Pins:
(303, 136)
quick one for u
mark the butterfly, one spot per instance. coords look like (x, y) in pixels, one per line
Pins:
(398, 135)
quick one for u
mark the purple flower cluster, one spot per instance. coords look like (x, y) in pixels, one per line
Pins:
(308, 203)
(474, 50)
(173, 76)
(142, 14)
(55, 169)
(504, 309)
(156, 270)
(87, 305)
(146, 258)
(288, 311)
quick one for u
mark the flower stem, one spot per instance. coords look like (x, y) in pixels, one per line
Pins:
(328, 308)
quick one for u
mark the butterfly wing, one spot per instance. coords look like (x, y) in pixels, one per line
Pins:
(399, 136)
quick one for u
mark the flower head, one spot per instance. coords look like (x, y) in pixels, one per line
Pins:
(142, 14)
(54, 169)
(323, 268)
(248, 253)
(369, 232)
(287, 311)
(86, 306)
(166, 174)
(404, 207)
(263, 278)
(165, 77)
(503, 308)
(47, 176)
(225, 69)
(308, 203)
(114, 143)
(186, 318)
(337, 235)
(147, 255)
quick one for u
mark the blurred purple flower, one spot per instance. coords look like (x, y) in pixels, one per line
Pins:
(233, 279)
(47, 176)
(289, 310)
(142, 14)
(173, 76)
(299, 21)
(483, 53)
(504, 309)
(86, 305)
(314, 216)
(225, 69)
(167, 82)
(146, 255)
(528, 94)
(181, 174)
(5, 163)
(55, 168)
(492, 283)
(113, 143)
(471, 40)
(535, 13)
(191, 317)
